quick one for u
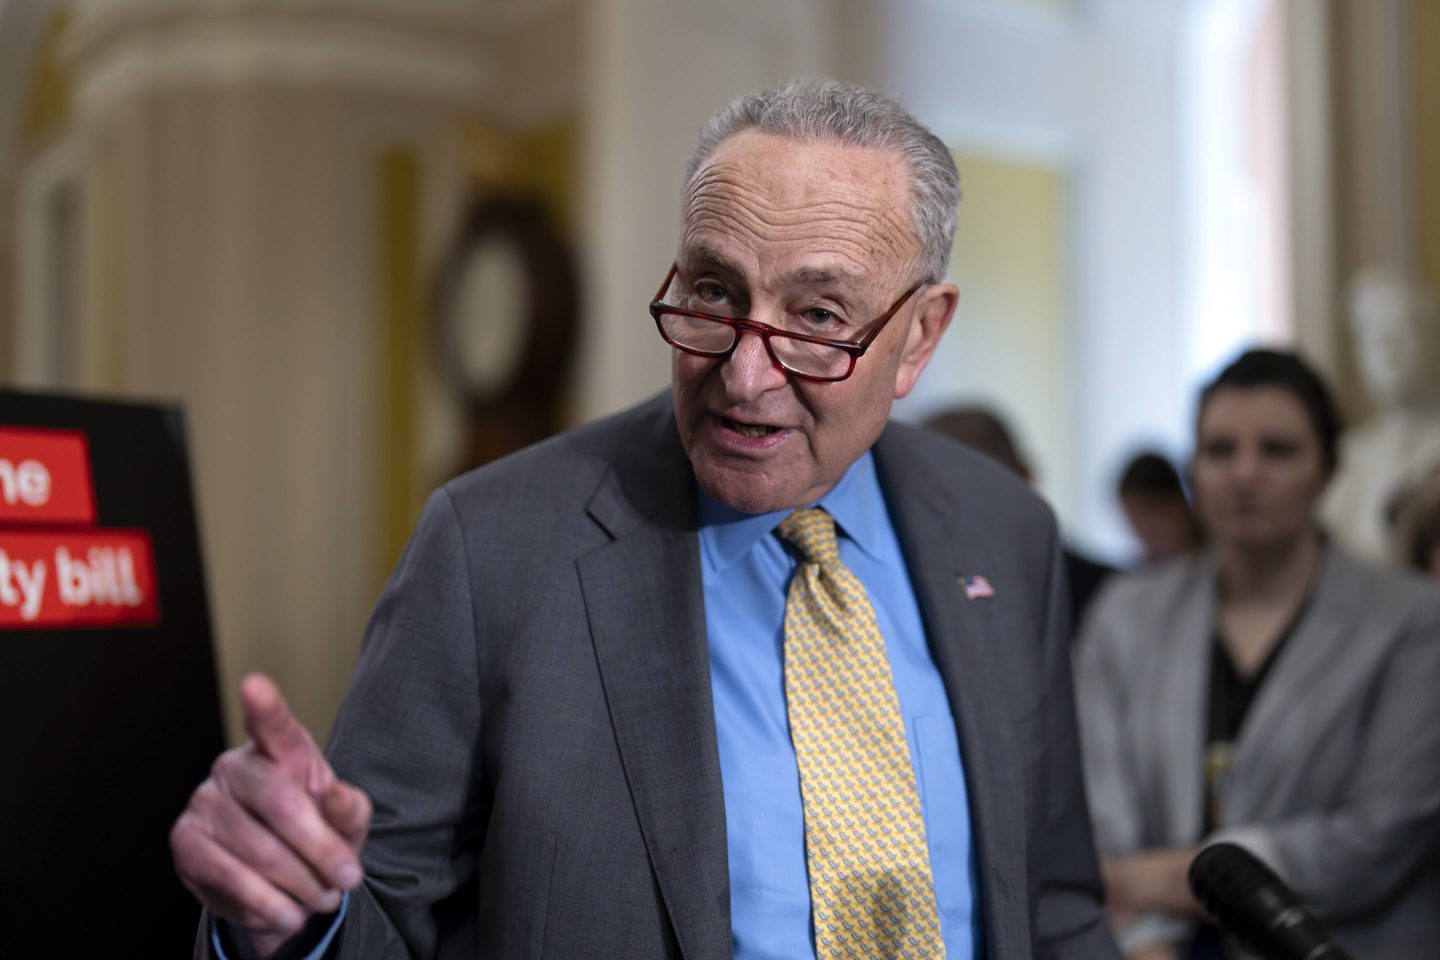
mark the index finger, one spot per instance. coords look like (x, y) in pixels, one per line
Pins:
(268, 720)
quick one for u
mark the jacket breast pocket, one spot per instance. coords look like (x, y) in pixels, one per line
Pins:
(1030, 734)
(602, 901)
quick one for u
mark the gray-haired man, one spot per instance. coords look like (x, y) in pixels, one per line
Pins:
(744, 671)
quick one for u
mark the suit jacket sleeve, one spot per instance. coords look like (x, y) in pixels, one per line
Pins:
(1349, 858)
(1102, 676)
(408, 733)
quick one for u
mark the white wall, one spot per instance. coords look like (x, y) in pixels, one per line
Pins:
(1092, 91)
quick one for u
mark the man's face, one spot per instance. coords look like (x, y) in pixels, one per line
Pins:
(803, 236)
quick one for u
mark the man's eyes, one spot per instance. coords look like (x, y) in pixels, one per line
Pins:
(712, 293)
(815, 319)
(825, 321)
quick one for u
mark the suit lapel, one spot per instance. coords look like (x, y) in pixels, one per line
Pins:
(938, 549)
(1319, 638)
(646, 610)
(1179, 704)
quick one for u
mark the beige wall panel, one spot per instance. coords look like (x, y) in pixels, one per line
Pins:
(1008, 346)
(1425, 37)
(648, 85)
(230, 240)
(1375, 150)
(242, 323)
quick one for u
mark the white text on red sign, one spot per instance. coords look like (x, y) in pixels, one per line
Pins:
(97, 578)
(45, 477)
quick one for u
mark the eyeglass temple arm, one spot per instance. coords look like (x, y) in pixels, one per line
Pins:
(674, 269)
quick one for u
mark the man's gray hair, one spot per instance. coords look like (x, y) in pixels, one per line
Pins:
(820, 109)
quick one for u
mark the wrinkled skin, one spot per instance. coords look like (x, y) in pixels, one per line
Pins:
(272, 836)
(807, 236)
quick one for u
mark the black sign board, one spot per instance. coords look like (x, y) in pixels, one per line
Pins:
(109, 711)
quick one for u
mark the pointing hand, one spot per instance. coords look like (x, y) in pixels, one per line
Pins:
(272, 837)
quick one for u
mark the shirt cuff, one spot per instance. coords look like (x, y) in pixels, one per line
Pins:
(1255, 839)
(315, 954)
(1152, 929)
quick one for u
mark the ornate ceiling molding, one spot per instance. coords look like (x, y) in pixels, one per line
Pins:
(443, 51)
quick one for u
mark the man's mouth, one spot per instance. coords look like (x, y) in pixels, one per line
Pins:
(751, 431)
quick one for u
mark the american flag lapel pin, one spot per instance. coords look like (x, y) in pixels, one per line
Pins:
(976, 587)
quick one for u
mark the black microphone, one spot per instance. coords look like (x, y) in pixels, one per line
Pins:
(1255, 907)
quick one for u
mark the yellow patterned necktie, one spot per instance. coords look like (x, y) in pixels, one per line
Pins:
(871, 892)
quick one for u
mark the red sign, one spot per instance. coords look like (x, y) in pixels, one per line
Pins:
(45, 477)
(95, 578)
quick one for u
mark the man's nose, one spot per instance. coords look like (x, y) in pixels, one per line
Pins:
(748, 371)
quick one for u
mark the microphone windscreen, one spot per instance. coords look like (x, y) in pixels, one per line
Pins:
(1253, 905)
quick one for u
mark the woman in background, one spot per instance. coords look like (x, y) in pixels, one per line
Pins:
(1268, 691)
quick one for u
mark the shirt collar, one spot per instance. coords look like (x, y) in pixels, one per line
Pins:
(855, 502)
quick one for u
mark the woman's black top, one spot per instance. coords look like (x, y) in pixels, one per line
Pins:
(1231, 696)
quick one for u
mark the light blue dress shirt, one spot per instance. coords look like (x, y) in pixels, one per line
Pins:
(746, 570)
(315, 954)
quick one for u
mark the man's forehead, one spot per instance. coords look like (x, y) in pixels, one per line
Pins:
(814, 271)
(849, 202)
(816, 168)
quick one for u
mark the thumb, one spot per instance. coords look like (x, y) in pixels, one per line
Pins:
(348, 810)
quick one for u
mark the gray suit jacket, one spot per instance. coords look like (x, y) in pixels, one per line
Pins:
(1335, 777)
(532, 712)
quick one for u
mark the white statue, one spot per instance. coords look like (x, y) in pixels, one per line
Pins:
(1395, 327)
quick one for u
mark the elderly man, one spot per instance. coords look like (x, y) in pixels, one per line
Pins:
(744, 671)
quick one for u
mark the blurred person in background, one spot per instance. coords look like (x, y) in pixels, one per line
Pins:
(643, 690)
(1417, 525)
(1154, 502)
(984, 430)
(1269, 691)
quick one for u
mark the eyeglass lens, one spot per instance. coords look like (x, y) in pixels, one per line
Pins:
(713, 337)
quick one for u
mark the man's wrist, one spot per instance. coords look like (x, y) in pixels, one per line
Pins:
(241, 944)
(309, 943)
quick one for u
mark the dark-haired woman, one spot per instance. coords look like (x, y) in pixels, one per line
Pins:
(1269, 691)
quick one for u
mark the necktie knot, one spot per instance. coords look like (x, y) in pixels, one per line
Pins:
(812, 531)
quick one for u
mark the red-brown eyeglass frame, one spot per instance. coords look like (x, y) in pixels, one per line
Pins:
(764, 331)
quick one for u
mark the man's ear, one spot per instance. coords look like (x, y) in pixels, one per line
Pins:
(933, 312)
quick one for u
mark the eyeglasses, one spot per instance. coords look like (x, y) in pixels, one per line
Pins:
(802, 355)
